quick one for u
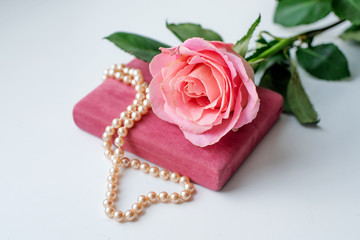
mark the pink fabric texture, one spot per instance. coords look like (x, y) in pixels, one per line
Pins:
(164, 144)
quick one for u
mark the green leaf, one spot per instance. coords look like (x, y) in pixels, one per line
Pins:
(241, 46)
(141, 47)
(347, 9)
(299, 101)
(185, 31)
(352, 33)
(324, 61)
(291, 13)
(276, 78)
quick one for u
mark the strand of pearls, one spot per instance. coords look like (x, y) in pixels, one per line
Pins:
(116, 133)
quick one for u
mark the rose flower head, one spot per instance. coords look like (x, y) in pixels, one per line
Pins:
(205, 88)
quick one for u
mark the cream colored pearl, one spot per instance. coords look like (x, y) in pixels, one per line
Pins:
(184, 180)
(116, 123)
(108, 153)
(164, 174)
(139, 88)
(148, 96)
(106, 137)
(123, 115)
(109, 211)
(127, 79)
(116, 161)
(185, 195)
(154, 171)
(114, 171)
(142, 109)
(107, 203)
(119, 152)
(130, 215)
(104, 77)
(111, 195)
(152, 197)
(163, 197)
(143, 200)
(125, 161)
(144, 167)
(147, 90)
(111, 72)
(135, 164)
(117, 75)
(128, 123)
(189, 186)
(106, 72)
(136, 116)
(122, 132)
(137, 207)
(131, 108)
(137, 102)
(110, 130)
(146, 103)
(112, 187)
(126, 70)
(120, 66)
(106, 144)
(140, 96)
(113, 66)
(174, 197)
(145, 84)
(136, 71)
(118, 215)
(134, 82)
(119, 142)
(131, 70)
(175, 177)
(112, 179)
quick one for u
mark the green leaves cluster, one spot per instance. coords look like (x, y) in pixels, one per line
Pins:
(277, 57)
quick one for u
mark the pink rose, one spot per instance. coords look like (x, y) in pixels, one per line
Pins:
(205, 88)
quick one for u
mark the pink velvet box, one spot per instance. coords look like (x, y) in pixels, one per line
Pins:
(164, 144)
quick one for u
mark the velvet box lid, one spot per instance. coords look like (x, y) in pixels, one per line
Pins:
(164, 144)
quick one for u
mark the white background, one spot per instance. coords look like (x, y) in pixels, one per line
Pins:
(299, 183)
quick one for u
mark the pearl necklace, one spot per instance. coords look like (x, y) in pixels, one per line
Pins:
(133, 113)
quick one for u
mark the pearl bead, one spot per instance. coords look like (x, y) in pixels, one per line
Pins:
(126, 70)
(135, 164)
(130, 215)
(106, 137)
(128, 123)
(125, 161)
(152, 197)
(117, 75)
(136, 116)
(137, 207)
(119, 152)
(106, 144)
(114, 171)
(106, 72)
(131, 108)
(189, 186)
(118, 215)
(116, 123)
(113, 66)
(185, 195)
(116, 161)
(142, 109)
(111, 195)
(163, 197)
(174, 197)
(127, 79)
(147, 90)
(108, 153)
(112, 179)
(123, 115)
(139, 88)
(184, 180)
(145, 84)
(143, 200)
(175, 177)
(164, 174)
(119, 142)
(107, 203)
(131, 70)
(120, 66)
(137, 102)
(110, 130)
(146, 103)
(122, 132)
(140, 96)
(112, 187)
(104, 77)
(154, 171)
(148, 96)
(134, 82)
(111, 72)
(136, 72)
(144, 167)
(109, 211)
